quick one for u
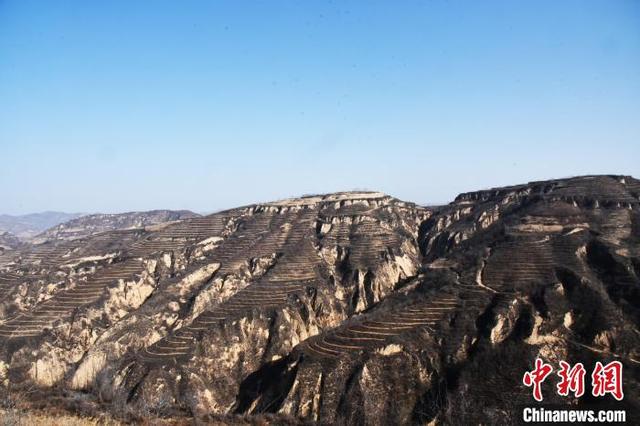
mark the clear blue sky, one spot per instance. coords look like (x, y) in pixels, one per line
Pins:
(133, 105)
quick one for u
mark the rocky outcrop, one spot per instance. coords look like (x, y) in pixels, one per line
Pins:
(541, 270)
(341, 308)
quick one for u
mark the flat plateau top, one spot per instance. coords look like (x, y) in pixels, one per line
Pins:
(339, 196)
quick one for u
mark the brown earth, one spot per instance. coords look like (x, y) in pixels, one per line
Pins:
(353, 308)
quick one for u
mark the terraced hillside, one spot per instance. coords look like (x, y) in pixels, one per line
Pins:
(350, 307)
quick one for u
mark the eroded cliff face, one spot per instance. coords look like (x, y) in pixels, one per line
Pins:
(177, 317)
(349, 307)
(546, 270)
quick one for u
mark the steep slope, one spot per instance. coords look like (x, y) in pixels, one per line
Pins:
(547, 269)
(329, 308)
(128, 312)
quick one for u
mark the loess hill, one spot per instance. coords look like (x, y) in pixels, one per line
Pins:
(87, 225)
(344, 308)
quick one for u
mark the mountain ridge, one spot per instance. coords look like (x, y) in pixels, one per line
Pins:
(326, 308)
(101, 222)
(28, 225)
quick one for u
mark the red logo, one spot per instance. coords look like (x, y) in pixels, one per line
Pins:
(536, 377)
(605, 379)
(572, 379)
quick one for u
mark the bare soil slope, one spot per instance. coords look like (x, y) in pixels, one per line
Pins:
(347, 307)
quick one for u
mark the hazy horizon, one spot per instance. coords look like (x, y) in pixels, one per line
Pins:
(205, 106)
(208, 212)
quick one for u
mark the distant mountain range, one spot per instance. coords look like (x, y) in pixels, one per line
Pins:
(40, 227)
(29, 225)
(93, 224)
(352, 308)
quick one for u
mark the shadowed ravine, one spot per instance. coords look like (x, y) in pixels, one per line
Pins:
(342, 308)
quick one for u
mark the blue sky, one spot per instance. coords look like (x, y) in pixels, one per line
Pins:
(119, 106)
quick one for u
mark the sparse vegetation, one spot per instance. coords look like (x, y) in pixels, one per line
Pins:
(344, 308)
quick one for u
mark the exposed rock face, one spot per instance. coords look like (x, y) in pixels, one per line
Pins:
(349, 307)
(97, 223)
